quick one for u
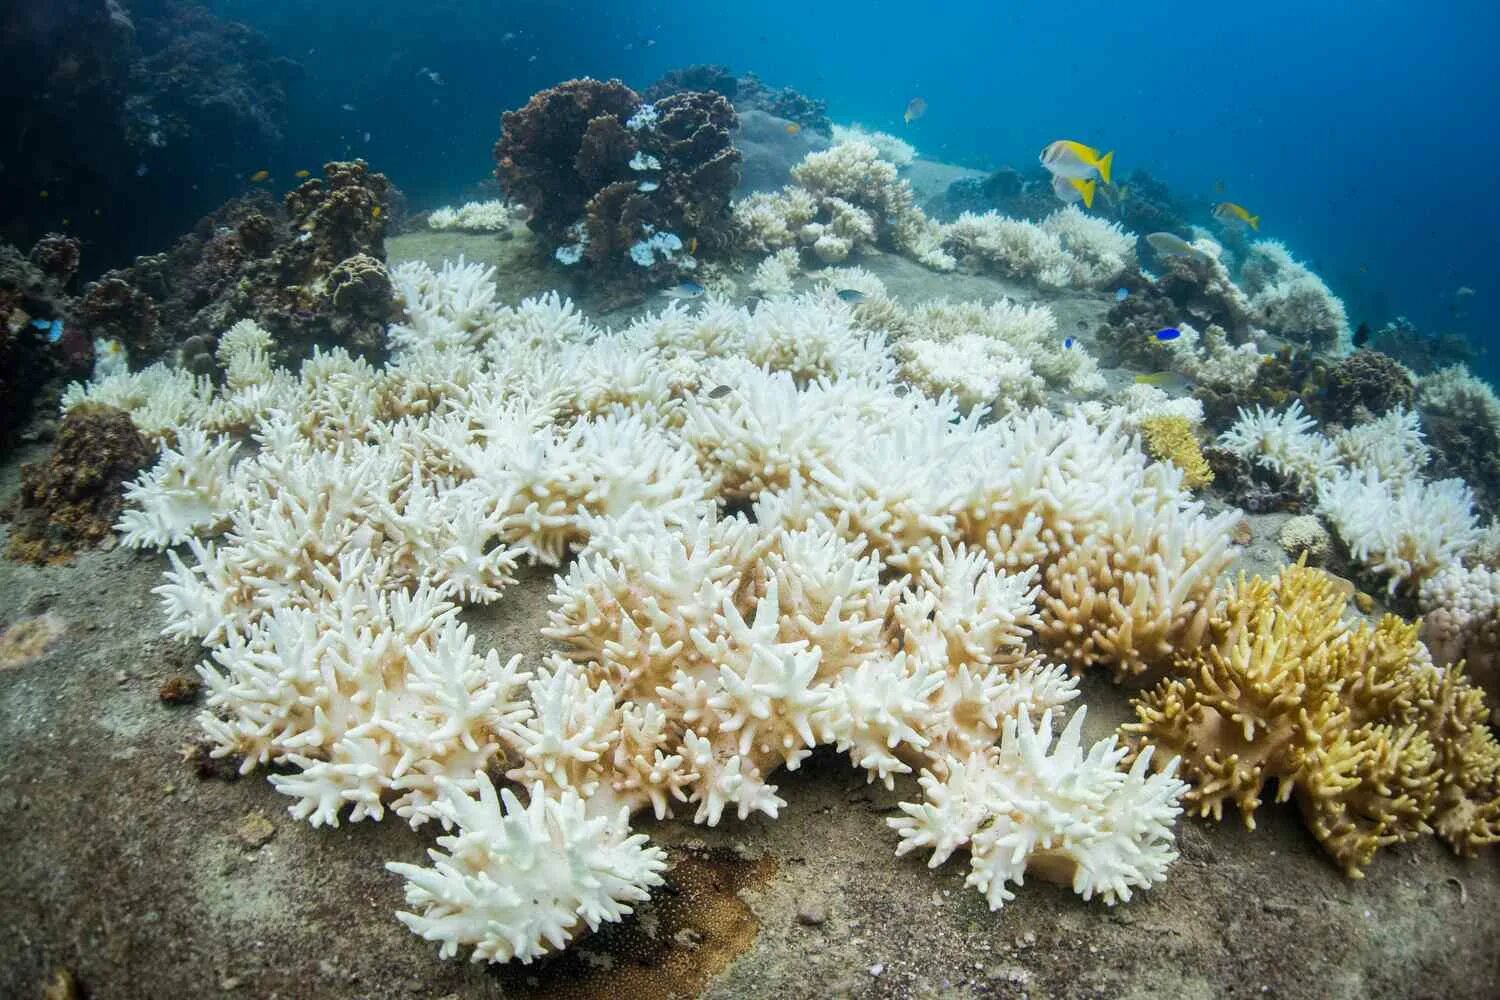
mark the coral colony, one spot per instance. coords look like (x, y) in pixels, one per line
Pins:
(827, 519)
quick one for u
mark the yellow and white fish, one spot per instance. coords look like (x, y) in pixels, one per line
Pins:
(1066, 158)
(1071, 190)
(1236, 216)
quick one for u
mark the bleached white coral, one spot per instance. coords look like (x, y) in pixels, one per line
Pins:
(1391, 444)
(1286, 443)
(1407, 530)
(1013, 247)
(891, 148)
(159, 399)
(519, 881)
(1052, 810)
(1290, 300)
(184, 494)
(1101, 251)
(474, 217)
(974, 369)
(773, 275)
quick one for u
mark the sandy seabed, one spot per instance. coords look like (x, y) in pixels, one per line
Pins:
(145, 879)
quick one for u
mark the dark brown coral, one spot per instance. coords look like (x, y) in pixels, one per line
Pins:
(70, 502)
(537, 155)
(1366, 385)
(56, 256)
(597, 168)
(113, 309)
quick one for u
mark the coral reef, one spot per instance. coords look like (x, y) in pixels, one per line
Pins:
(698, 77)
(891, 149)
(1304, 537)
(1377, 745)
(70, 501)
(312, 273)
(1200, 289)
(1423, 353)
(895, 601)
(638, 191)
(1007, 192)
(810, 113)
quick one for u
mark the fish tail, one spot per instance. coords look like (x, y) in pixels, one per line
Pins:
(1104, 164)
(1086, 188)
(1254, 221)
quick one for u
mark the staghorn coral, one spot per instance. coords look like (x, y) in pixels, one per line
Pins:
(1171, 439)
(1376, 744)
(915, 603)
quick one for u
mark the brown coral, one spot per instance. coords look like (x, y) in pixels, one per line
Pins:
(1366, 385)
(1376, 744)
(71, 501)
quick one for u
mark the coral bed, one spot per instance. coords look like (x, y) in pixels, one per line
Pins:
(920, 623)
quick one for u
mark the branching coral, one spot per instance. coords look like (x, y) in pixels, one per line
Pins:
(476, 217)
(1376, 744)
(915, 602)
(1171, 439)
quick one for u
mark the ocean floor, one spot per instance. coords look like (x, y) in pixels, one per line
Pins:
(145, 874)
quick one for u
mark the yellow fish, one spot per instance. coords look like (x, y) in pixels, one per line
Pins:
(915, 108)
(1231, 214)
(259, 176)
(375, 212)
(1166, 380)
(1072, 190)
(792, 128)
(303, 173)
(1066, 158)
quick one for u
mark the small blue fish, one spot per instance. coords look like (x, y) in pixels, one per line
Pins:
(1170, 333)
(1122, 295)
(1068, 343)
(685, 290)
(53, 327)
(851, 295)
(647, 186)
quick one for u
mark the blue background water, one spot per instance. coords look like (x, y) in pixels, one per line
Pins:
(1363, 134)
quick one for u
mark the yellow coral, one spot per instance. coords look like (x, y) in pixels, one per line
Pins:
(1171, 439)
(1377, 745)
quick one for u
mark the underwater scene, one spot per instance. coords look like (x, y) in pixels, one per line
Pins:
(664, 500)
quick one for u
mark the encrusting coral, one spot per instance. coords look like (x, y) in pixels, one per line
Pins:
(1377, 745)
(915, 602)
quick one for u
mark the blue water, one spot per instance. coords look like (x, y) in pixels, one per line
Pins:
(1362, 134)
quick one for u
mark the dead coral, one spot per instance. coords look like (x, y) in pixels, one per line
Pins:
(1376, 744)
(71, 501)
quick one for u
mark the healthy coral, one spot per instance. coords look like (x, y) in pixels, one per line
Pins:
(1171, 439)
(1377, 745)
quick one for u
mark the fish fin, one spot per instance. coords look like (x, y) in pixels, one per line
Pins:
(1104, 164)
(1254, 221)
(1086, 188)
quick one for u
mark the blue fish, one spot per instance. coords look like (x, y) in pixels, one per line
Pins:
(1170, 333)
(53, 328)
(1122, 295)
(851, 295)
(1067, 342)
